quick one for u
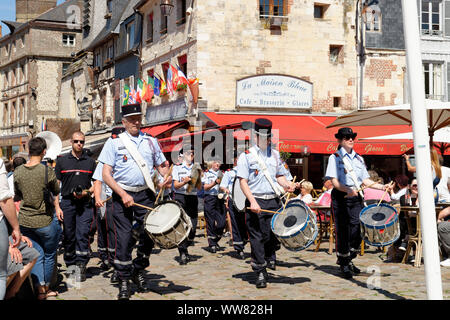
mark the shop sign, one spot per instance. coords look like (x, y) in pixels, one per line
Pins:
(274, 91)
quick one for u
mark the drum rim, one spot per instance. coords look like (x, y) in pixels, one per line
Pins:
(150, 211)
(297, 232)
(233, 197)
(383, 244)
(378, 227)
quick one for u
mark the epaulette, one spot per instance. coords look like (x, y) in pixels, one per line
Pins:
(228, 169)
(114, 136)
(247, 151)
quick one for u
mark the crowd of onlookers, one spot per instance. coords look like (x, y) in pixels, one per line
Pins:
(28, 215)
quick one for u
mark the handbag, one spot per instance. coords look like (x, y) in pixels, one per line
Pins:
(48, 197)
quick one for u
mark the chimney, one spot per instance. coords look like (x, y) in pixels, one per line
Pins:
(27, 10)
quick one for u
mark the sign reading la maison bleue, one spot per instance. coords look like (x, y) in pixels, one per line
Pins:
(274, 91)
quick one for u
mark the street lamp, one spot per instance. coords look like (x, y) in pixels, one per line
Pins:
(166, 7)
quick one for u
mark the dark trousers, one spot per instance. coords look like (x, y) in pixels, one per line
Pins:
(189, 203)
(215, 216)
(109, 221)
(347, 225)
(124, 242)
(238, 228)
(263, 242)
(78, 222)
(102, 234)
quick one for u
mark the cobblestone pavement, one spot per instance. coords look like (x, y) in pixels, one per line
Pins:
(304, 275)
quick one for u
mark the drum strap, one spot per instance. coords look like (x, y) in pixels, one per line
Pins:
(349, 168)
(262, 165)
(139, 160)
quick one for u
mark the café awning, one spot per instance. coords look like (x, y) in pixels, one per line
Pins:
(297, 131)
(158, 130)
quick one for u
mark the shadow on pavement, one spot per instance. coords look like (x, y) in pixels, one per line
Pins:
(250, 277)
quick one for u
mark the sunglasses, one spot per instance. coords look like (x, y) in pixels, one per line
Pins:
(414, 185)
(78, 141)
(348, 137)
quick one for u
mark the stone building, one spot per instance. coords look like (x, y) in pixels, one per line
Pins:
(33, 57)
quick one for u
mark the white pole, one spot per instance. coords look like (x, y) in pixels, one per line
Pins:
(422, 150)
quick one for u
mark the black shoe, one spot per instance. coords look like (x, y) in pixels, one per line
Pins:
(403, 246)
(124, 290)
(346, 272)
(213, 249)
(114, 277)
(139, 280)
(105, 266)
(80, 273)
(353, 268)
(183, 259)
(261, 281)
(241, 255)
(272, 265)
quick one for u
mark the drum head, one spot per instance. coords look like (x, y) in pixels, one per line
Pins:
(376, 216)
(162, 218)
(238, 196)
(292, 221)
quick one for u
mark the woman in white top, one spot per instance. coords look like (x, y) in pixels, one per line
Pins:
(305, 192)
(401, 182)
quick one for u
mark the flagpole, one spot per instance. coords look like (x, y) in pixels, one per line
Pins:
(422, 150)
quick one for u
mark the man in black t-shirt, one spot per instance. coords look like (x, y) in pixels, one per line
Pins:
(75, 171)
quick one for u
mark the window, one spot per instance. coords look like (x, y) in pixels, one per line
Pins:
(433, 80)
(151, 73)
(111, 52)
(65, 66)
(181, 12)
(5, 115)
(182, 63)
(430, 17)
(22, 73)
(130, 35)
(98, 59)
(272, 8)
(22, 111)
(68, 40)
(109, 5)
(13, 77)
(13, 113)
(150, 28)
(372, 18)
(163, 29)
(319, 10)
(336, 102)
(336, 54)
(165, 67)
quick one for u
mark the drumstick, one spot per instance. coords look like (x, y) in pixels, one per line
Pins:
(163, 187)
(103, 201)
(362, 188)
(141, 205)
(289, 195)
(384, 193)
(269, 211)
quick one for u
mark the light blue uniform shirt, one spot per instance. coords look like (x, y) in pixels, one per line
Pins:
(125, 170)
(208, 177)
(336, 168)
(106, 190)
(228, 180)
(178, 173)
(248, 168)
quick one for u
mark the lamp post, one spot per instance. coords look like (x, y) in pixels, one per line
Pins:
(360, 49)
(166, 7)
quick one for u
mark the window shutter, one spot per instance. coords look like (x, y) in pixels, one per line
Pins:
(447, 18)
(448, 81)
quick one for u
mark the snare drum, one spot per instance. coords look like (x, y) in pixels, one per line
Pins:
(167, 225)
(238, 196)
(296, 229)
(379, 225)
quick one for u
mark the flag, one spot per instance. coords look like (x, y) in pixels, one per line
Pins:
(151, 83)
(44, 125)
(147, 93)
(157, 86)
(126, 94)
(169, 81)
(182, 77)
(163, 87)
(139, 92)
(132, 99)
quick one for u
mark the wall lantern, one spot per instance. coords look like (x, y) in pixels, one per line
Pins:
(166, 7)
(305, 151)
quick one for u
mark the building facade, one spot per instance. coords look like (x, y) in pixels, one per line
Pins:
(33, 57)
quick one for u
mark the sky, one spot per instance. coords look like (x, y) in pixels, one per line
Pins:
(8, 12)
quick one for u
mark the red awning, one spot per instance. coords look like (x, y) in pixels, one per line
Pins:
(157, 130)
(298, 131)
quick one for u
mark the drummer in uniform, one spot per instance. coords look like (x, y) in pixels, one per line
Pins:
(238, 229)
(188, 200)
(346, 201)
(260, 195)
(215, 214)
(123, 175)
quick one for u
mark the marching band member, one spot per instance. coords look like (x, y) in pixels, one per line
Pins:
(259, 169)
(75, 171)
(188, 199)
(128, 161)
(238, 229)
(215, 214)
(348, 172)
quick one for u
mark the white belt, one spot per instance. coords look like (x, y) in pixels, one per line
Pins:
(266, 196)
(132, 189)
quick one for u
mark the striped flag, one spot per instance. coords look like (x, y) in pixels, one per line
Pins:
(126, 94)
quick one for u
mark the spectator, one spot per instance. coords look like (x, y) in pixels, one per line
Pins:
(36, 215)
(401, 185)
(305, 192)
(18, 161)
(8, 211)
(21, 261)
(372, 195)
(325, 198)
(444, 235)
(410, 198)
(444, 185)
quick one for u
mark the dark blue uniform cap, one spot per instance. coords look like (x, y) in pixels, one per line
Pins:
(263, 127)
(131, 110)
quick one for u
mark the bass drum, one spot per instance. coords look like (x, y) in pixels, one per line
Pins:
(167, 225)
(238, 196)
